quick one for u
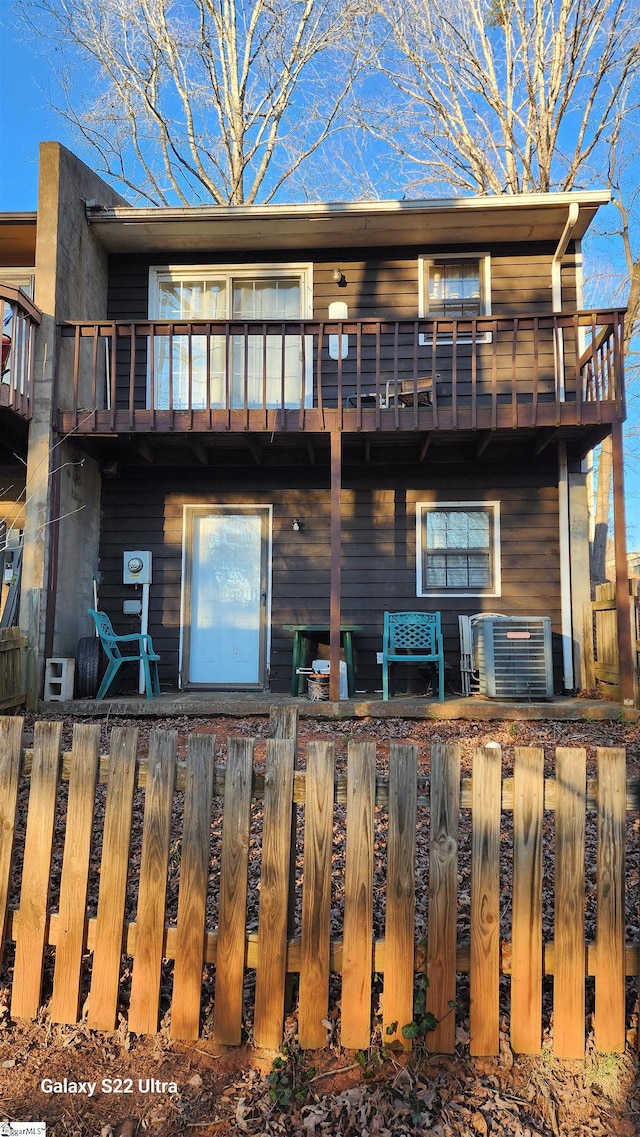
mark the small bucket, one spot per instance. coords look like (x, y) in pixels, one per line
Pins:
(318, 686)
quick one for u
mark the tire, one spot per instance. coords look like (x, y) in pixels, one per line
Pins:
(88, 667)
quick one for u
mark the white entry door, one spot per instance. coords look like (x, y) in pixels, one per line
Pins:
(226, 594)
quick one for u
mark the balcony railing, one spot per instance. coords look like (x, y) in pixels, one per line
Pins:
(488, 373)
(20, 318)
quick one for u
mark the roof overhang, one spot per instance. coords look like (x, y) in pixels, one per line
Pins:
(18, 240)
(438, 223)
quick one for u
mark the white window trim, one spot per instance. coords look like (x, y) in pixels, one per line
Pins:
(484, 263)
(18, 277)
(423, 507)
(301, 269)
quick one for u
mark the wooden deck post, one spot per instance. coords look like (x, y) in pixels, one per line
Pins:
(334, 604)
(623, 611)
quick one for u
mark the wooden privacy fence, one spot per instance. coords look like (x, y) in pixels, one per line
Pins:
(604, 666)
(429, 811)
(12, 692)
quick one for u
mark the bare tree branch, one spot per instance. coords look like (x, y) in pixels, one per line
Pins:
(191, 100)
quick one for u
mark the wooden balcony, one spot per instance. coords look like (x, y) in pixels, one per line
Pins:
(20, 318)
(529, 371)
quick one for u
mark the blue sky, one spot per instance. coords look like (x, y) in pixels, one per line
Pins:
(26, 120)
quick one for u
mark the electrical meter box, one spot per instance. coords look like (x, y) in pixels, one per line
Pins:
(137, 567)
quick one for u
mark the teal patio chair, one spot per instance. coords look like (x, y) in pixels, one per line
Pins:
(412, 637)
(143, 653)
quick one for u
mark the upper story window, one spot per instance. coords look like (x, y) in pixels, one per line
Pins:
(241, 370)
(454, 286)
(458, 548)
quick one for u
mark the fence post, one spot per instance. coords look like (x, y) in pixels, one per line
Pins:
(443, 894)
(192, 894)
(485, 901)
(569, 955)
(316, 895)
(283, 723)
(274, 891)
(10, 755)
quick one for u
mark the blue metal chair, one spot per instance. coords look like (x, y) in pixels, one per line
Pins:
(111, 644)
(412, 637)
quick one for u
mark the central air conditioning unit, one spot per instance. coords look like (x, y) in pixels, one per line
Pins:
(513, 657)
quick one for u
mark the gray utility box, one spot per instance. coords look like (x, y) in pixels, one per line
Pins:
(513, 657)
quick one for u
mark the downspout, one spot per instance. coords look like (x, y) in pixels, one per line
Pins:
(563, 472)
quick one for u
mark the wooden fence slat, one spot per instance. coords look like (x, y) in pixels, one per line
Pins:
(31, 935)
(192, 895)
(274, 891)
(610, 935)
(283, 723)
(65, 1002)
(443, 895)
(234, 862)
(569, 965)
(105, 975)
(316, 896)
(10, 755)
(526, 935)
(399, 949)
(144, 1004)
(485, 902)
(357, 951)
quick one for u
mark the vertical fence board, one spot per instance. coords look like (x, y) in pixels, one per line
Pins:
(610, 936)
(38, 848)
(283, 723)
(443, 895)
(105, 976)
(144, 1004)
(526, 934)
(357, 952)
(192, 895)
(569, 965)
(316, 895)
(234, 862)
(85, 755)
(399, 945)
(274, 890)
(10, 755)
(485, 901)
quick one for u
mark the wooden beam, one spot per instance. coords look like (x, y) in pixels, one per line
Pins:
(623, 609)
(334, 602)
(425, 447)
(255, 450)
(483, 443)
(200, 451)
(544, 440)
(146, 453)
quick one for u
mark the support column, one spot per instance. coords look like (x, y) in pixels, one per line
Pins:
(336, 541)
(623, 609)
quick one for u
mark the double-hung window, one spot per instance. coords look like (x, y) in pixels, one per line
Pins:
(454, 286)
(458, 548)
(239, 369)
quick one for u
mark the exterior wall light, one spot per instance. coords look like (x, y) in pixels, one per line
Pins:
(339, 277)
(297, 525)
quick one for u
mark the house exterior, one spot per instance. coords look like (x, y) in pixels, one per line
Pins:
(307, 415)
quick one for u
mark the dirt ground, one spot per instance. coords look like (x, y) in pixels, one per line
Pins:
(87, 1084)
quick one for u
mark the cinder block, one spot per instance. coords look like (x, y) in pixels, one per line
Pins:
(58, 680)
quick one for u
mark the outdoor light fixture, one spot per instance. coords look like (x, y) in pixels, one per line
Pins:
(297, 525)
(339, 277)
